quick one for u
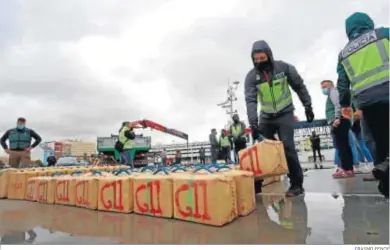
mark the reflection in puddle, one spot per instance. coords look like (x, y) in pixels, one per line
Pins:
(311, 219)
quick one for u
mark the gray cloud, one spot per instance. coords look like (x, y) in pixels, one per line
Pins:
(43, 76)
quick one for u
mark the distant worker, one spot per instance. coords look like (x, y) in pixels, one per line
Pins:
(237, 130)
(164, 157)
(225, 146)
(316, 148)
(178, 157)
(214, 145)
(125, 144)
(269, 82)
(363, 72)
(51, 160)
(20, 146)
(202, 155)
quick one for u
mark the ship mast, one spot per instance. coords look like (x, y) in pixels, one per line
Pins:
(228, 104)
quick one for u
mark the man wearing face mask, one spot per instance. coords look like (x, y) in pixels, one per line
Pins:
(340, 130)
(20, 146)
(269, 82)
(237, 131)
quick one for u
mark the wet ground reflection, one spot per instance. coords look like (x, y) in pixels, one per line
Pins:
(313, 219)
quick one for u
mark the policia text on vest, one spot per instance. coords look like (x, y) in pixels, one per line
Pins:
(19, 140)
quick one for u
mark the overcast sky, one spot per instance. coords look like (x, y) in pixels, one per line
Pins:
(78, 68)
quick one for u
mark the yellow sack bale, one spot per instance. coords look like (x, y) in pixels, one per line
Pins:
(46, 189)
(264, 159)
(115, 193)
(153, 195)
(4, 181)
(64, 190)
(18, 184)
(245, 190)
(207, 199)
(86, 192)
(31, 190)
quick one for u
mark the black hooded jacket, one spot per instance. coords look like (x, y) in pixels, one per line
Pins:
(254, 77)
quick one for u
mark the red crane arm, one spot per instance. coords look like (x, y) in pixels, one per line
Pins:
(159, 127)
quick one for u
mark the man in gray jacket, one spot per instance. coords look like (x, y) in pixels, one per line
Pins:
(214, 145)
(269, 82)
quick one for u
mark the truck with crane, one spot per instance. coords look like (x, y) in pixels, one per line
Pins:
(141, 144)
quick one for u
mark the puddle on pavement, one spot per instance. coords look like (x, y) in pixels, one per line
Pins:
(316, 218)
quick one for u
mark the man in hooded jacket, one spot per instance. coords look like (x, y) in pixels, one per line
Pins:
(268, 83)
(363, 72)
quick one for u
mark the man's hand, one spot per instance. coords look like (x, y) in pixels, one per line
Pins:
(255, 132)
(28, 149)
(7, 151)
(346, 112)
(309, 114)
(336, 123)
(357, 115)
(296, 119)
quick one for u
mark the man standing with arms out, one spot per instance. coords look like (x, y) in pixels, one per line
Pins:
(125, 144)
(202, 155)
(268, 83)
(214, 145)
(20, 146)
(237, 130)
(316, 147)
(364, 67)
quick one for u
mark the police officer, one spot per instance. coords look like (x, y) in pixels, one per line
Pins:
(20, 146)
(224, 143)
(237, 130)
(126, 137)
(363, 72)
(268, 83)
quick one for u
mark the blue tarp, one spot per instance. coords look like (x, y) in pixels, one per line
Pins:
(315, 123)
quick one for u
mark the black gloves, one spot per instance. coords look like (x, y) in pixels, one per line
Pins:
(255, 132)
(309, 113)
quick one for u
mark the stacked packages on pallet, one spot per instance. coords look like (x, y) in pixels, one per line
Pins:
(213, 195)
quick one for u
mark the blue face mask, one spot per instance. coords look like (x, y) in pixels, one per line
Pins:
(20, 127)
(325, 91)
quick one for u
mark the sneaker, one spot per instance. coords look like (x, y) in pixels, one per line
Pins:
(362, 169)
(321, 167)
(295, 191)
(340, 173)
(370, 165)
(315, 166)
(380, 170)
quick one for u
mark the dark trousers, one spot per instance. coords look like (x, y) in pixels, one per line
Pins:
(342, 143)
(214, 154)
(284, 127)
(315, 151)
(377, 120)
(202, 160)
(239, 145)
(225, 154)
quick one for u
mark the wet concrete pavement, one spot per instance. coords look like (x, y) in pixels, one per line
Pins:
(347, 211)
